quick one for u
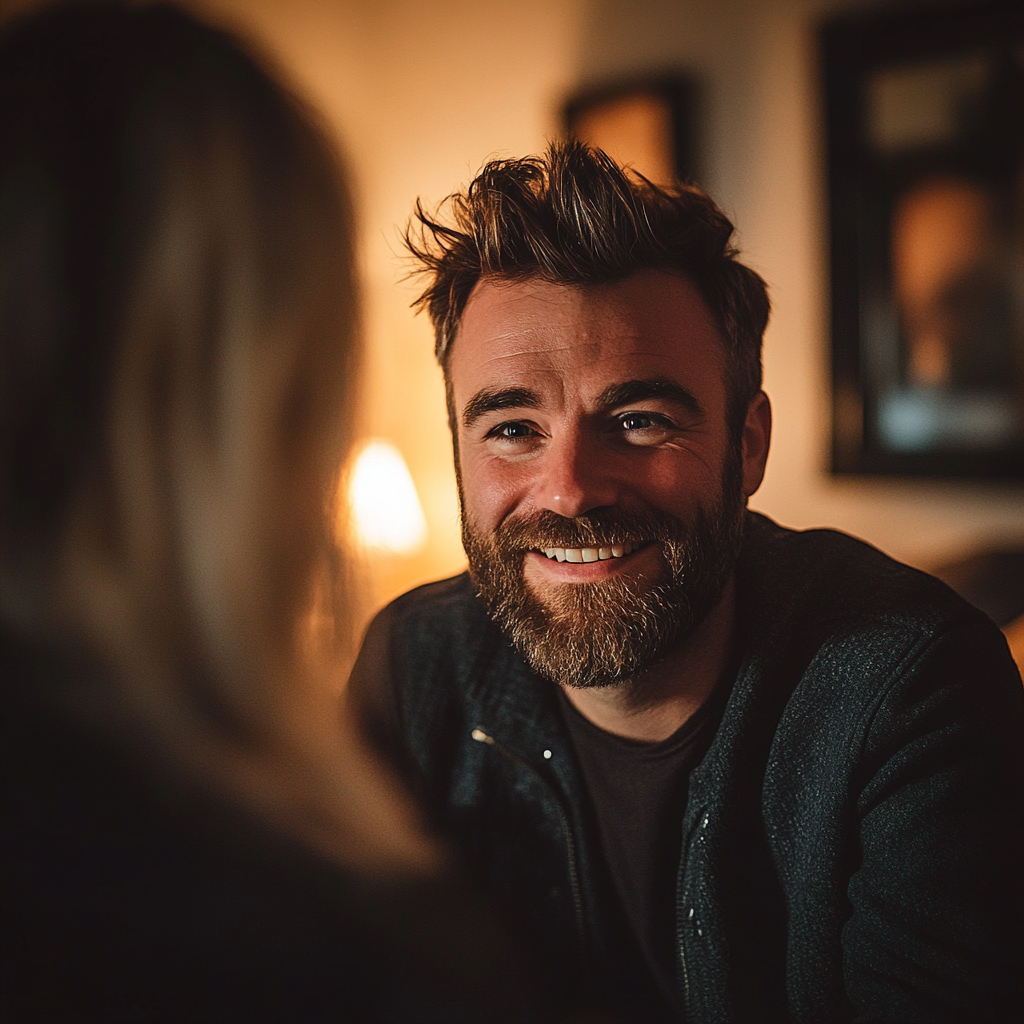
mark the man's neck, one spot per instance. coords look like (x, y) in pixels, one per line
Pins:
(651, 707)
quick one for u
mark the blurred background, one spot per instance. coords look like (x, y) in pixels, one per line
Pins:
(419, 93)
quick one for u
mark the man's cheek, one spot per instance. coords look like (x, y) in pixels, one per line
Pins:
(490, 494)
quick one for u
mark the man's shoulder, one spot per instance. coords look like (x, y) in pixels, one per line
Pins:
(447, 593)
(842, 641)
(438, 630)
(442, 609)
(825, 575)
(417, 665)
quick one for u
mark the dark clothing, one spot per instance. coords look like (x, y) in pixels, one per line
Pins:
(129, 894)
(851, 847)
(638, 791)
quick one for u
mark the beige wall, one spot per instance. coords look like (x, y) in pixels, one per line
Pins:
(421, 93)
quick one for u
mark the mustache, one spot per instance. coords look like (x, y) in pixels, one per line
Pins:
(602, 527)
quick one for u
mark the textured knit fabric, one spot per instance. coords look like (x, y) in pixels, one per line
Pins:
(852, 841)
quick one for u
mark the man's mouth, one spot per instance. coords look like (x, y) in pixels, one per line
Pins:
(598, 554)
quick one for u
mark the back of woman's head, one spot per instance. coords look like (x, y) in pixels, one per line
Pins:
(176, 317)
(176, 346)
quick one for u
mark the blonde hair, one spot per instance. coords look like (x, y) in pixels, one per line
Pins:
(178, 343)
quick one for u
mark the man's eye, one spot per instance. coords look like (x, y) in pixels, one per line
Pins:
(511, 431)
(639, 421)
(644, 428)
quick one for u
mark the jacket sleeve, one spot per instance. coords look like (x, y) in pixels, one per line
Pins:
(935, 932)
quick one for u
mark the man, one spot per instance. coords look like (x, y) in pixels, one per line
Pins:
(718, 770)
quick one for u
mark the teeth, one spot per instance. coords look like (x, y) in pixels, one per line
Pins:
(577, 555)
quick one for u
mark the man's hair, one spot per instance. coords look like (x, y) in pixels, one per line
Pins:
(574, 217)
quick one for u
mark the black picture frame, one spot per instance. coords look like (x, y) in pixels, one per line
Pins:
(925, 161)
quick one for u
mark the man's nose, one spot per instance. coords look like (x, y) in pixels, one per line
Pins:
(576, 478)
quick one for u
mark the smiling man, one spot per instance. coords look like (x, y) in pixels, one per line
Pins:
(602, 495)
(717, 770)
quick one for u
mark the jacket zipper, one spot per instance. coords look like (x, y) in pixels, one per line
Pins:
(481, 736)
(680, 925)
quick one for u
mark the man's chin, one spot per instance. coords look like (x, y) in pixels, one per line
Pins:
(591, 634)
(589, 601)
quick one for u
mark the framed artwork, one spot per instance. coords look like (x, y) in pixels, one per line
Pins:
(647, 123)
(925, 145)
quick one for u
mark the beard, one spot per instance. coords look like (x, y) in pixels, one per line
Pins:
(607, 632)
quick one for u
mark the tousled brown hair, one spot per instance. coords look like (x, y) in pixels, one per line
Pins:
(573, 216)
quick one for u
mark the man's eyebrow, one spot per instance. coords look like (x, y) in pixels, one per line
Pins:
(494, 399)
(631, 391)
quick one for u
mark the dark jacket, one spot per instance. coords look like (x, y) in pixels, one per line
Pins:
(852, 844)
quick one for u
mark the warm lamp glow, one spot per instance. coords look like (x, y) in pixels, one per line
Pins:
(385, 508)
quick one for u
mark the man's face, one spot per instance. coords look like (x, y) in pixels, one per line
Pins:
(602, 500)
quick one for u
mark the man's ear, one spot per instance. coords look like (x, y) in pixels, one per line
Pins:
(757, 436)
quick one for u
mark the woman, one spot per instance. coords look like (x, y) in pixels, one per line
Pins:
(189, 834)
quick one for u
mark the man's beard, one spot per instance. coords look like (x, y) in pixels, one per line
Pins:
(607, 632)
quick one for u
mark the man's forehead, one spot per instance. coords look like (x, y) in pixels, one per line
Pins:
(494, 292)
(532, 308)
(648, 316)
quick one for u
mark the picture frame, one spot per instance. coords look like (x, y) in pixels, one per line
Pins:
(647, 123)
(924, 118)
